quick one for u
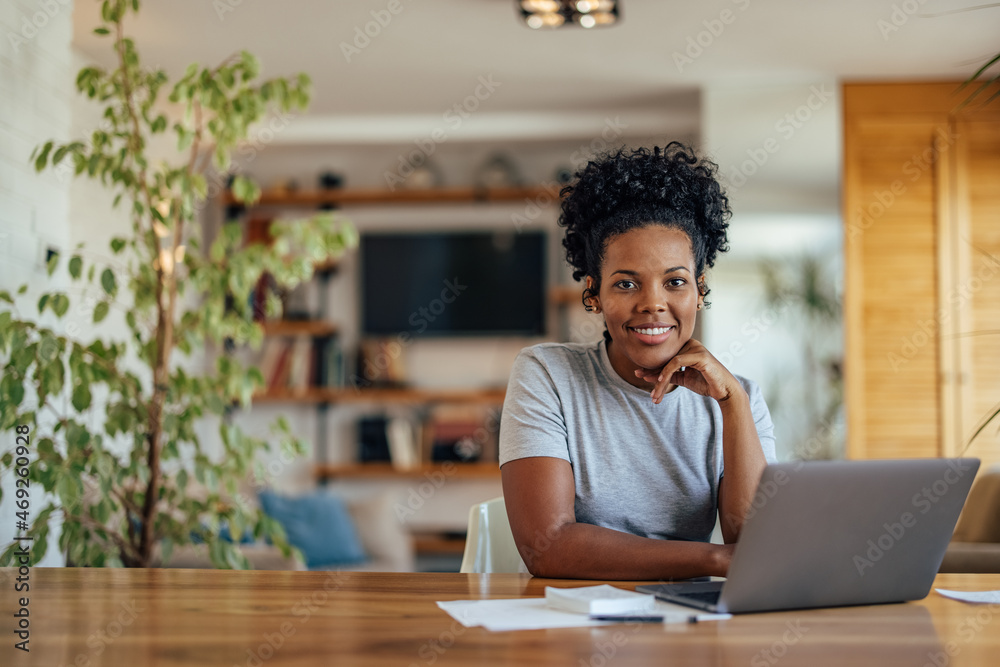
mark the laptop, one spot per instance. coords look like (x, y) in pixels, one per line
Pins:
(837, 533)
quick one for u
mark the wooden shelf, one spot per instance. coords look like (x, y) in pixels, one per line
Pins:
(299, 328)
(406, 396)
(436, 543)
(330, 266)
(564, 295)
(386, 470)
(380, 196)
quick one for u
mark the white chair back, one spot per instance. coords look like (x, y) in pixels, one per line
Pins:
(489, 544)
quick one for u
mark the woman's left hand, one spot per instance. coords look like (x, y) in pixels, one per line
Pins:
(694, 368)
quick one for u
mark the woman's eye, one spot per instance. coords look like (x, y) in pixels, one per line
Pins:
(676, 282)
(625, 284)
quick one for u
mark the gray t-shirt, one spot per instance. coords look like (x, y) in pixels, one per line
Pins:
(640, 468)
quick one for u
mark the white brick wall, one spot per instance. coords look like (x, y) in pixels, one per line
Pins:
(36, 100)
(36, 91)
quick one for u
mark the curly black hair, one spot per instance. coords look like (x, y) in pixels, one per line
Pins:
(625, 190)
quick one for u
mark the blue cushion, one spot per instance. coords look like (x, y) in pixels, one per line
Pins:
(319, 525)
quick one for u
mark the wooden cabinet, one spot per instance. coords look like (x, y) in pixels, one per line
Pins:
(922, 259)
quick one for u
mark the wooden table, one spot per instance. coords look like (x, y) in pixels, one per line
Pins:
(128, 618)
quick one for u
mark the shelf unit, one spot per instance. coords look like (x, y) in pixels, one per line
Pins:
(325, 397)
(375, 395)
(383, 470)
(373, 196)
(299, 328)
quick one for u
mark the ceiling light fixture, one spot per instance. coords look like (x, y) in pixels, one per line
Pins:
(556, 13)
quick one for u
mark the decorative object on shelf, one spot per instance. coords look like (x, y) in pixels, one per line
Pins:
(498, 171)
(373, 439)
(285, 185)
(331, 180)
(128, 404)
(380, 363)
(558, 13)
(424, 177)
(462, 434)
(404, 443)
(563, 175)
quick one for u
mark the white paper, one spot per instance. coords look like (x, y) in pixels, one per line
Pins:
(533, 614)
(975, 597)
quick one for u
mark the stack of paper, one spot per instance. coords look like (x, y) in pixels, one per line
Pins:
(603, 599)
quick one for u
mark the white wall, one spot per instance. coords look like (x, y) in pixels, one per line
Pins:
(778, 150)
(36, 84)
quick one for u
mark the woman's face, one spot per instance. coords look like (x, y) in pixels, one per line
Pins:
(649, 297)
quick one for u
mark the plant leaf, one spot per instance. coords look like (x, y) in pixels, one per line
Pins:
(108, 281)
(43, 156)
(100, 311)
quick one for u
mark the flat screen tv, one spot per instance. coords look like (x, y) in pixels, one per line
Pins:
(453, 283)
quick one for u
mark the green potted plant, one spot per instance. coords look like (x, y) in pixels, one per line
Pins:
(804, 287)
(111, 422)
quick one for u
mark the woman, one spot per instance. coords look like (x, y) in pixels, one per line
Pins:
(617, 456)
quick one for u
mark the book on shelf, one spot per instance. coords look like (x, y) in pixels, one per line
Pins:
(402, 438)
(279, 376)
(299, 365)
(300, 362)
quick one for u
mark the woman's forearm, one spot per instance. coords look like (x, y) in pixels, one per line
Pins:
(539, 495)
(744, 462)
(585, 551)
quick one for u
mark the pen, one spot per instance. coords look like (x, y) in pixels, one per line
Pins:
(627, 618)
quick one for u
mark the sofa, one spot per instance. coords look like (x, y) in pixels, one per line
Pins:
(386, 544)
(975, 545)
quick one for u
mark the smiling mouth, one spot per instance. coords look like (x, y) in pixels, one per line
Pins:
(651, 331)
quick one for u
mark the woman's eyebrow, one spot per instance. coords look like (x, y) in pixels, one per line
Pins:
(628, 272)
